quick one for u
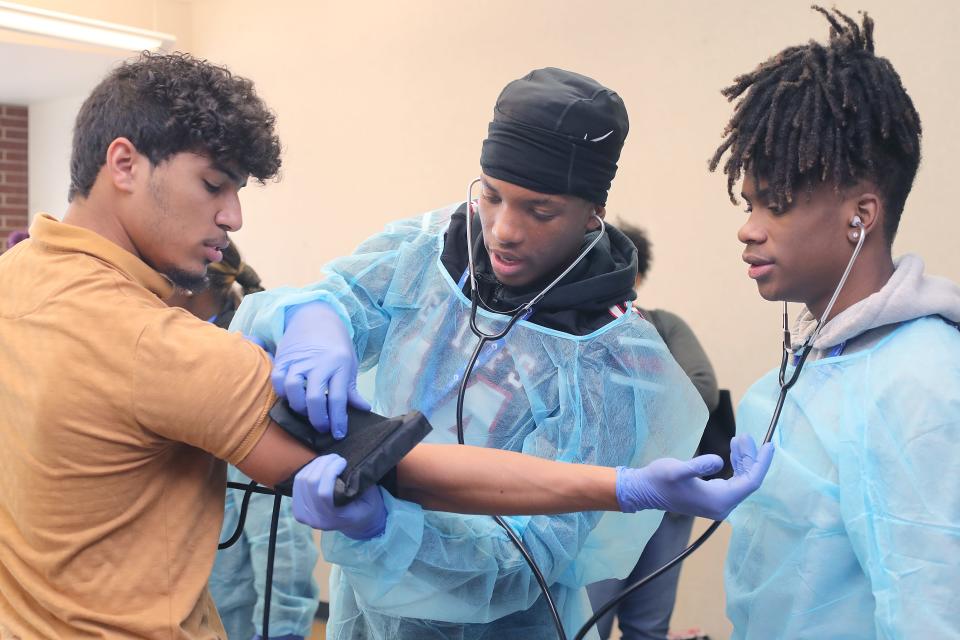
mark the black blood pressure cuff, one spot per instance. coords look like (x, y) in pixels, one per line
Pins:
(721, 426)
(373, 447)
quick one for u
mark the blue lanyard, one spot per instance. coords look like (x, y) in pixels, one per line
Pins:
(837, 350)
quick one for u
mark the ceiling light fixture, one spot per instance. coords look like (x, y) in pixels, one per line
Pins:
(18, 17)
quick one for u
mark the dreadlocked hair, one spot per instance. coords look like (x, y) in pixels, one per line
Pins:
(832, 114)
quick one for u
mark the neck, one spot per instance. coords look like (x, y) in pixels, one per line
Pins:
(870, 273)
(92, 214)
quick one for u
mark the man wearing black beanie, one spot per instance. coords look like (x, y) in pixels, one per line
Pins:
(579, 376)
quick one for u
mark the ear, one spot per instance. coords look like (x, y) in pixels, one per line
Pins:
(123, 165)
(600, 212)
(868, 207)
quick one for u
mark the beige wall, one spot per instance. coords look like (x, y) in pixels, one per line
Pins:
(382, 107)
(52, 119)
(51, 134)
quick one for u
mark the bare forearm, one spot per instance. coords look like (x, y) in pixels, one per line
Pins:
(469, 479)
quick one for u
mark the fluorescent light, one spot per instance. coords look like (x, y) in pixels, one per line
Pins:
(18, 17)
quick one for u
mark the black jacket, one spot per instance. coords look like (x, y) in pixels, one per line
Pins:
(578, 305)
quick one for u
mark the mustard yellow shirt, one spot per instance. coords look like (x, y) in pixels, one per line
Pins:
(116, 412)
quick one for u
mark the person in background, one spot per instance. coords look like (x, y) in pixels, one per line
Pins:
(237, 581)
(645, 613)
(16, 237)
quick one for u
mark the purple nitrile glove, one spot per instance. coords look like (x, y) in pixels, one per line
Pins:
(677, 486)
(362, 519)
(315, 367)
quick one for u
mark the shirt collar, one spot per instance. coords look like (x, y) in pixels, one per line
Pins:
(59, 236)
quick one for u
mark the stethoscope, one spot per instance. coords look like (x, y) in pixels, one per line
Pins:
(786, 383)
(524, 311)
(521, 312)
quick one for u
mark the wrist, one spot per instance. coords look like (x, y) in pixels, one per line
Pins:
(594, 487)
(633, 490)
(368, 533)
(375, 522)
(304, 310)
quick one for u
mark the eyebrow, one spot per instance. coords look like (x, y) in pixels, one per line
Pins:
(546, 200)
(232, 175)
(761, 194)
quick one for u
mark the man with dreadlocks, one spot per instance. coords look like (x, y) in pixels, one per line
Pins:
(852, 536)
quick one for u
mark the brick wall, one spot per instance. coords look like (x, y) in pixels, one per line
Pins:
(13, 171)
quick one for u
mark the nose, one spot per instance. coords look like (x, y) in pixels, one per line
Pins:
(230, 216)
(751, 232)
(507, 226)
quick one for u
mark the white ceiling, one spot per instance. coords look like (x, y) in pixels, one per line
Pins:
(38, 69)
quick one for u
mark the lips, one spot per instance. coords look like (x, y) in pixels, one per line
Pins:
(759, 266)
(214, 250)
(505, 264)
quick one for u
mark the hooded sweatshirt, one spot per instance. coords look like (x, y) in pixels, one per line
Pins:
(580, 304)
(908, 294)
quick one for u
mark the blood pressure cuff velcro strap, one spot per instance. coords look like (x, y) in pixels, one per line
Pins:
(373, 447)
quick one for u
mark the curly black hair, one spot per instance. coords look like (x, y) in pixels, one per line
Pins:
(817, 114)
(168, 103)
(639, 238)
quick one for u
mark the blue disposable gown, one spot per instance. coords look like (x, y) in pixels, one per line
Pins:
(237, 582)
(855, 533)
(612, 397)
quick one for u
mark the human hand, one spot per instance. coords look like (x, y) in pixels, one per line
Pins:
(315, 367)
(362, 519)
(677, 486)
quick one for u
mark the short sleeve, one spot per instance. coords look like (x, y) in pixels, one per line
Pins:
(198, 384)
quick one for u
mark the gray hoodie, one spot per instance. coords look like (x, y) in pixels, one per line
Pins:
(909, 294)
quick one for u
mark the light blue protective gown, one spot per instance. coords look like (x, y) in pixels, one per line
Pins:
(855, 533)
(237, 582)
(612, 397)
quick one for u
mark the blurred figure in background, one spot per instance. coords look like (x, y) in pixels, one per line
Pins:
(15, 237)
